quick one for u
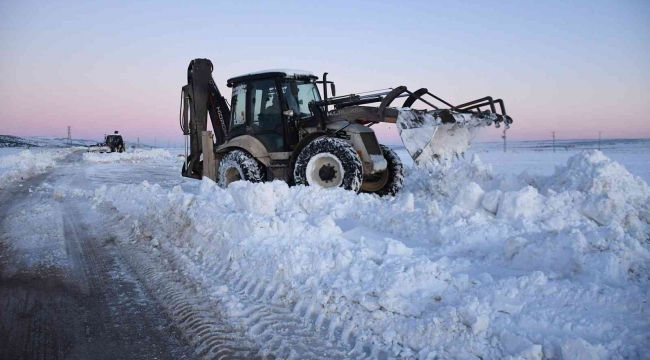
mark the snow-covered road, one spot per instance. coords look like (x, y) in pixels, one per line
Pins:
(468, 261)
(65, 293)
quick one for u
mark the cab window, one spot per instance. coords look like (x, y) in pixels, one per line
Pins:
(266, 114)
(238, 117)
(298, 94)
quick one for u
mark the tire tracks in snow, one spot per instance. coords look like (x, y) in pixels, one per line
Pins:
(262, 327)
(192, 312)
(302, 322)
(63, 292)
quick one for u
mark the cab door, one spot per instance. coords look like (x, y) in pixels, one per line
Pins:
(266, 117)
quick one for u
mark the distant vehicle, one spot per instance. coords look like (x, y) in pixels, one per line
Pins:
(112, 143)
(115, 143)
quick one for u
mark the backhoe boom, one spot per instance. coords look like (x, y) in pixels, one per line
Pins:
(201, 97)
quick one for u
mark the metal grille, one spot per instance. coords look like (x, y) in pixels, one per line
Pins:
(370, 142)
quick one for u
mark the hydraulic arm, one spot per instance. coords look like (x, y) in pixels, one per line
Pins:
(199, 98)
(437, 133)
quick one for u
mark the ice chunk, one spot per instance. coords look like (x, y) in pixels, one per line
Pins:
(490, 201)
(397, 248)
(513, 246)
(470, 196)
(524, 203)
(579, 349)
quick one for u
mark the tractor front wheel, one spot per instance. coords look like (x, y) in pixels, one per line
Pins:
(389, 181)
(329, 162)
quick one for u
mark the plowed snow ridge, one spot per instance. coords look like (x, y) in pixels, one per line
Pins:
(462, 263)
(27, 164)
(129, 156)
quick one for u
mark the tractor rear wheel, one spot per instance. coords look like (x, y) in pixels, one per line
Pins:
(239, 165)
(329, 162)
(389, 181)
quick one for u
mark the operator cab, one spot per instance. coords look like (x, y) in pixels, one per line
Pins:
(267, 105)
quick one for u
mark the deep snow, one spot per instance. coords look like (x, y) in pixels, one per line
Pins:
(465, 262)
(462, 263)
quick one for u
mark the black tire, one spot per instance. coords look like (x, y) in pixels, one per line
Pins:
(239, 165)
(393, 176)
(334, 163)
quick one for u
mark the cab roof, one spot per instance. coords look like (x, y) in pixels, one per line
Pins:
(290, 73)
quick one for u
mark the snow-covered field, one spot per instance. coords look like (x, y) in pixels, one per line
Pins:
(9, 141)
(523, 255)
(538, 156)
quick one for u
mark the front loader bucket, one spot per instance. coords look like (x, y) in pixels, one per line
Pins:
(441, 134)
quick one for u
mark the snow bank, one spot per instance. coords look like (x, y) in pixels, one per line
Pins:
(137, 155)
(462, 263)
(27, 164)
(611, 193)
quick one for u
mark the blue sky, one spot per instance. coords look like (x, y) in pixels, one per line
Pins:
(574, 67)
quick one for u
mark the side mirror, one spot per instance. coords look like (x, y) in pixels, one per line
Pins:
(288, 113)
(333, 90)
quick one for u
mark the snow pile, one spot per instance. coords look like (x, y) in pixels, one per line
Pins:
(27, 164)
(134, 156)
(612, 194)
(597, 219)
(462, 263)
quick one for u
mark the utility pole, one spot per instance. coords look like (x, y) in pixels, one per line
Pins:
(167, 144)
(154, 142)
(69, 136)
(599, 141)
(138, 143)
(553, 132)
